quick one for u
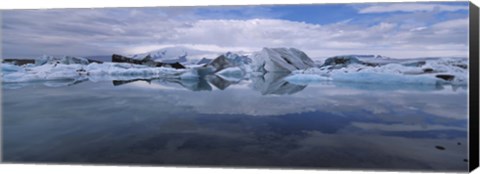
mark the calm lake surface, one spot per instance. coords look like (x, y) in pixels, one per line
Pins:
(263, 122)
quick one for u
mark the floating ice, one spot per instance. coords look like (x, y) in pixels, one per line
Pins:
(280, 60)
(94, 71)
(10, 68)
(293, 65)
(412, 71)
(61, 60)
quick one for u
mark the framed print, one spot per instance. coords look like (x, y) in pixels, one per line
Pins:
(352, 86)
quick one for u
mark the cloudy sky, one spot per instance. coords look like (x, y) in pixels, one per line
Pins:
(391, 29)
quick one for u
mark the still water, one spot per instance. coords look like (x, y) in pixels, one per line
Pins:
(262, 122)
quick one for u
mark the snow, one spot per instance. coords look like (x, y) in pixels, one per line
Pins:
(172, 54)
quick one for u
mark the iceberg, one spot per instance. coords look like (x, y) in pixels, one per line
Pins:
(282, 70)
(92, 71)
(44, 73)
(411, 71)
(238, 59)
(145, 61)
(220, 63)
(11, 68)
(229, 60)
(203, 61)
(344, 61)
(281, 60)
(67, 60)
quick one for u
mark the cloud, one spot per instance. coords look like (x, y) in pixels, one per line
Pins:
(391, 39)
(86, 32)
(411, 7)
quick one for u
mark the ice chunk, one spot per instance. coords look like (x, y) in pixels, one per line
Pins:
(237, 59)
(204, 61)
(10, 68)
(44, 72)
(94, 71)
(431, 71)
(220, 63)
(232, 74)
(281, 60)
(63, 60)
(145, 61)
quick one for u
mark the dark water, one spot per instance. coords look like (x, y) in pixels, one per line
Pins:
(263, 122)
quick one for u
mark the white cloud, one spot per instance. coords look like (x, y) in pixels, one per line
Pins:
(410, 7)
(452, 24)
(327, 40)
(130, 31)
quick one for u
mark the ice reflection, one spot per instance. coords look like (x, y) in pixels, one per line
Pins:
(251, 122)
(266, 84)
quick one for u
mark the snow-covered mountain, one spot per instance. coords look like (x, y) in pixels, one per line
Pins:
(175, 54)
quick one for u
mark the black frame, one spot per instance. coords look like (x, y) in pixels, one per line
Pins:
(473, 87)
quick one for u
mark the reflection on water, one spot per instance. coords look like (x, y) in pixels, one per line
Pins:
(262, 120)
(268, 83)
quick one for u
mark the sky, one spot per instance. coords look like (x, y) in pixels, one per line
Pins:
(399, 30)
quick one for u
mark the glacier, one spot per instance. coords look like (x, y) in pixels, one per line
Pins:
(290, 69)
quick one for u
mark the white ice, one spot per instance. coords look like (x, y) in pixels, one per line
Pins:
(389, 73)
(280, 60)
(93, 71)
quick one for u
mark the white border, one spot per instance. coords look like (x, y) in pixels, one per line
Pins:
(81, 169)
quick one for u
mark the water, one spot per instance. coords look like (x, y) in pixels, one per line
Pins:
(262, 122)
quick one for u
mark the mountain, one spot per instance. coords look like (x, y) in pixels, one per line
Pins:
(174, 54)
